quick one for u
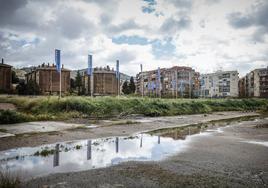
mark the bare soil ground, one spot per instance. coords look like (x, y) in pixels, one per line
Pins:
(7, 106)
(104, 128)
(234, 157)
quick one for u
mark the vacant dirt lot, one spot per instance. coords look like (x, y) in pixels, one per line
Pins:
(235, 157)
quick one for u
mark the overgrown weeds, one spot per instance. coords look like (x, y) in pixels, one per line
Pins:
(51, 108)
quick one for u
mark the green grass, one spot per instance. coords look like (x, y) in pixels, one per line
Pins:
(44, 152)
(8, 116)
(51, 108)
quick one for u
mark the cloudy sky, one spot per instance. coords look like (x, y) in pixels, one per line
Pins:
(206, 34)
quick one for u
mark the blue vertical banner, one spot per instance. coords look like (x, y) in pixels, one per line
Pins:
(117, 69)
(152, 85)
(202, 82)
(181, 85)
(159, 78)
(173, 83)
(57, 60)
(89, 69)
(158, 74)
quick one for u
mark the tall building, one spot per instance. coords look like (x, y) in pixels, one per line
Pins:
(48, 78)
(105, 82)
(174, 82)
(5, 77)
(254, 84)
(219, 84)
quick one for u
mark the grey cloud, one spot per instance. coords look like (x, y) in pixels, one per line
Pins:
(4, 45)
(181, 3)
(238, 20)
(101, 2)
(258, 35)
(202, 23)
(72, 24)
(9, 7)
(211, 2)
(109, 6)
(127, 25)
(171, 26)
(16, 14)
(105, 19)
(257, 17)
(123, 56)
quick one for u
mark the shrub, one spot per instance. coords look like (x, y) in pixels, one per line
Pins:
(8, 116)
(46, 108)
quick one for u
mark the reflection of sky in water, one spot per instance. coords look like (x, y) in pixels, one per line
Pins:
(98, 153)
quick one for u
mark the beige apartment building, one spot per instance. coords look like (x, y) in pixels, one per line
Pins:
(174, 82)
(219, 84)
(254, 84)
(105, 82)
(48, 78)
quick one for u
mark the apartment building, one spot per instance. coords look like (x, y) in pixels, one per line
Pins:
(173, 82)
(219, 84)
(5, 77)
(48, 78)
(254, 84)
(104, 82)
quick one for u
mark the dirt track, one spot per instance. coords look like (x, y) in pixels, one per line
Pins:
(104, 128)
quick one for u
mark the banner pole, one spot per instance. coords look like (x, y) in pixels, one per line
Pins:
(118, 78)
(91, 84)
(60, 83)
(176, 74)
(142, 94)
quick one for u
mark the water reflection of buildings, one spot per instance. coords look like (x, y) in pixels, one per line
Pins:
(56, 160)
(141, 141)
(88, 149)
(116, 144)
(56, 157)
(56, 154)
(97, 153)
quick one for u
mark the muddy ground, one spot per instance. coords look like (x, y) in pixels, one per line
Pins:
(221, 159)
(91, 129)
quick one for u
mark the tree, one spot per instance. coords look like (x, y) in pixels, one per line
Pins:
(72, 85)
(31, 88)
(15, 78)
(125, 88)
(21, 88)
(78, 81)
(131, 85)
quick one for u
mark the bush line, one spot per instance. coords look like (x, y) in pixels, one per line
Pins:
(51, 108)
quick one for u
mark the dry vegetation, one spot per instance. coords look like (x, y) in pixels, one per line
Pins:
(51, 108)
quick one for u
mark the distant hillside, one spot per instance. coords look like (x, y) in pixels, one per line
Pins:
(20, 73)
(26, 69)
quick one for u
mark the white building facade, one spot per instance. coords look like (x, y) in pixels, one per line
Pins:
(219, 84)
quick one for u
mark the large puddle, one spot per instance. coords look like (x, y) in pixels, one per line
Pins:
(97, 153)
